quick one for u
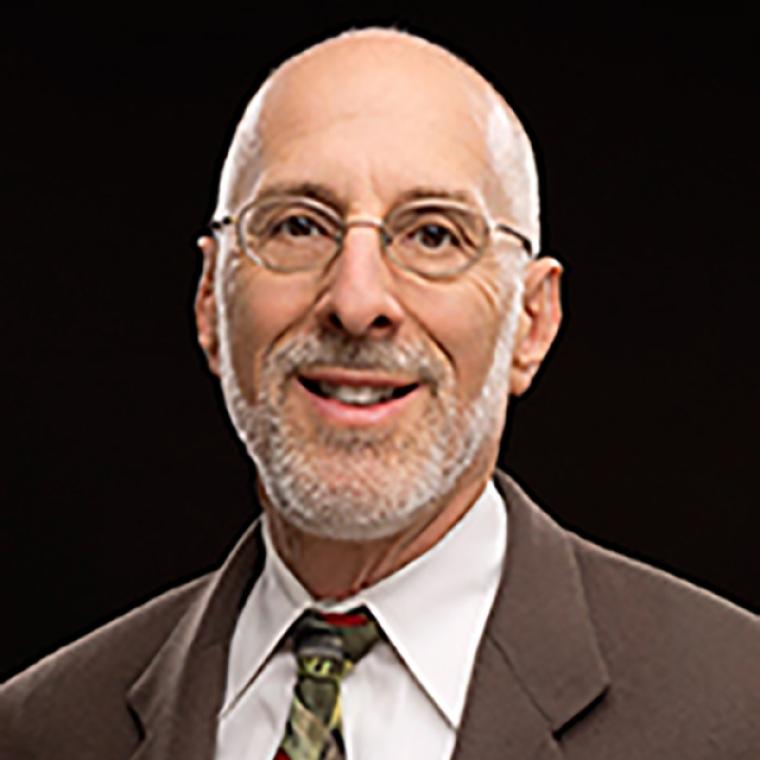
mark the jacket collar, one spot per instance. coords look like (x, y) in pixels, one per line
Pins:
(537, 669)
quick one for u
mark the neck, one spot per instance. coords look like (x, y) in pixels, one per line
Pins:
(336, 569)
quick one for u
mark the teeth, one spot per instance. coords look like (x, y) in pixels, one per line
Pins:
(360, 395)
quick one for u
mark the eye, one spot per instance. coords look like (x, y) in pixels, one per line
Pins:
(297, 225)
(435, 236)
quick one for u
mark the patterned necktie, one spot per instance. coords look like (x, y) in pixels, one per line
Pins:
(327, 646)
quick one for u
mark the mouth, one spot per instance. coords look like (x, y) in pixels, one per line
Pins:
(357, 397)
(356, 394)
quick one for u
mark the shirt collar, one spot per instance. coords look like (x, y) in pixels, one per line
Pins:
(433, 606)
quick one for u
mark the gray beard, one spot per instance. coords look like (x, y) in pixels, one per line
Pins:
(353, 484)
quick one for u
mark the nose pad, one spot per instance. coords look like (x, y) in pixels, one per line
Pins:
(360, 298)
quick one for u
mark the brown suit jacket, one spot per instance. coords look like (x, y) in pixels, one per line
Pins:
(586, 655)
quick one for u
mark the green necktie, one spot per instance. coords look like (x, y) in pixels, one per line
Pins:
(327, 646)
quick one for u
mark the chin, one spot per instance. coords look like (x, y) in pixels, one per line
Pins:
(351, 497)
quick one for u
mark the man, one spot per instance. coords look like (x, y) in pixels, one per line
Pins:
(369, 301)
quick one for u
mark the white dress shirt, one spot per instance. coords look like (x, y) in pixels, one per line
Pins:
(404, 699)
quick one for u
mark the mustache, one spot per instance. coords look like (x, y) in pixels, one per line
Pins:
(346, 352)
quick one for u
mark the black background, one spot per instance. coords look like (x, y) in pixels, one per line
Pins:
(122, 476)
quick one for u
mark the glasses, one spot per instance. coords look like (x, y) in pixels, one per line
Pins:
(434, 238)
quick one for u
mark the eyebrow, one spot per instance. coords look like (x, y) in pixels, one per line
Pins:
(439, 193)
(324, 194)
(313, 190)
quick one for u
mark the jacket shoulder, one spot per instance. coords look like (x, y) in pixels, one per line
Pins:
(667, 640)
(646, 595)
(96, 669)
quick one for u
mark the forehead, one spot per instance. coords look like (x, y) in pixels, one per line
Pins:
(374, 119)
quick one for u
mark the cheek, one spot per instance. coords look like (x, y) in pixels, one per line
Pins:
(465, 318)
(260, 307)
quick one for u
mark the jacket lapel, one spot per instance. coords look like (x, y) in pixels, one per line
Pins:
(539, 665)
(177, 698)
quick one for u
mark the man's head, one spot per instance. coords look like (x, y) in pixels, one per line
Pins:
(366, 393)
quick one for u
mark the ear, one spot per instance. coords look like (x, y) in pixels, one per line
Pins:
(205, 304)
(539, 322)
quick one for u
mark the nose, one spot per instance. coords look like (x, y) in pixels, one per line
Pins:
(359, 298)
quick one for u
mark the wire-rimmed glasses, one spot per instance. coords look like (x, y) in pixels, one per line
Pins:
(434, 238)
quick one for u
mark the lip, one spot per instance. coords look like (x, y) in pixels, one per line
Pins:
(357, 377)
(334, 412)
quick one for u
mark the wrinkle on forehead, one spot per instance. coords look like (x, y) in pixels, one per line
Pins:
(386, 69)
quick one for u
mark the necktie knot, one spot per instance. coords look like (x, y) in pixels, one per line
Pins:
(334, 642)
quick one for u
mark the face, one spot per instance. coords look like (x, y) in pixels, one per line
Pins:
(363, 392)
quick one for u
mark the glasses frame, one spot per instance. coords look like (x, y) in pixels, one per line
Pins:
(386, 239)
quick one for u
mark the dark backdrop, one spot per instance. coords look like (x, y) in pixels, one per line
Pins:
(122, 476)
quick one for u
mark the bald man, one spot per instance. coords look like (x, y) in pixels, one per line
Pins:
(371, 298)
